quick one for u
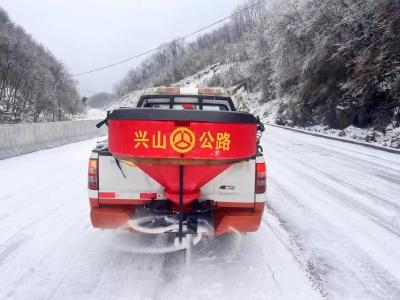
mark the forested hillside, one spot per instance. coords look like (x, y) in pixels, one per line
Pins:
(34, 86)
(328, 62)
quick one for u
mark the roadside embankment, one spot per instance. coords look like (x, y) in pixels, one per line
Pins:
(24, 138)
(336, 138)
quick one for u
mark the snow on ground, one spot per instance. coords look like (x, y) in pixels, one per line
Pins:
(331, 230)
(341, 204)
(48, 249)
(95, 113)
(92, 114)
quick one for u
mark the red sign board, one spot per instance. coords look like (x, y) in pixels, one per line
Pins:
(174, 139)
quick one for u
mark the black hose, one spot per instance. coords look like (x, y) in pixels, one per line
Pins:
(181, 174)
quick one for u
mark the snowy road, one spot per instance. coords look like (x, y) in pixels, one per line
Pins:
(332, 230)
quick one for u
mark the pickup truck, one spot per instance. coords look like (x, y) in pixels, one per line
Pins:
(182, 161)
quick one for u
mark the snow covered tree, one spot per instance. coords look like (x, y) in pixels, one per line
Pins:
(34, 86)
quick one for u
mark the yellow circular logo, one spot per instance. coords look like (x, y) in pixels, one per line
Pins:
(182, 140)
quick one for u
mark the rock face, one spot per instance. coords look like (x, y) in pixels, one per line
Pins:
(371, 136)
(395, 140)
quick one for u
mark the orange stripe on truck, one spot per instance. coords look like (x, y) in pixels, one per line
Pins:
(107, 195)
(124, 201)
(235, 204)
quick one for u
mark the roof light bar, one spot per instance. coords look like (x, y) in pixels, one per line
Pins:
(169, 90)
(189, 91)
(211, 91)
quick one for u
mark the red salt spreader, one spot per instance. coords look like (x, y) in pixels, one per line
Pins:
(182, 149)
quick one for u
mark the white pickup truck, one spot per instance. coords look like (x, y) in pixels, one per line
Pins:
(135, 192)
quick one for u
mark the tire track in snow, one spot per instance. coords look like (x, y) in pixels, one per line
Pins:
(299, 198)
(352, 267)
(327, 168)
(282, 233)
(342, 189)
(11, 245)
(381, 161)
(316, 277)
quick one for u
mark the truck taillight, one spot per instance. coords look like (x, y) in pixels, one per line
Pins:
(261, 178)
(93, 174)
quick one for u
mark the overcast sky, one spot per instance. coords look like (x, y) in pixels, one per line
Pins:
(85, 34)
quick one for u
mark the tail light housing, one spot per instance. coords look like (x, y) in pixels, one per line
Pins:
(93, 174)
(261, 178)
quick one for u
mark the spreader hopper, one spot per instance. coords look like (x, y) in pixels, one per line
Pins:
(182, 149)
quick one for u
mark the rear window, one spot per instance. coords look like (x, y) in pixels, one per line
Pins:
(188, 106)
(182, 103)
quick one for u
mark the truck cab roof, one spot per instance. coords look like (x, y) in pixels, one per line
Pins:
(191, 102)
(211, 99)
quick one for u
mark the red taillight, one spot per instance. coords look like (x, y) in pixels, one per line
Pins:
(148, 196)
(261, 178)
(93, 182)
(187, 106)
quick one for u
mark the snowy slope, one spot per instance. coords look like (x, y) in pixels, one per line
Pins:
(224, 75)
(331, 230)
(206, 78)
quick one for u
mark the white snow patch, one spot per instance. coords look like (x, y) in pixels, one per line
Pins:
(92, 114)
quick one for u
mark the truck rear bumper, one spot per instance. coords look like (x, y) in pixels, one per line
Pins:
(111, 217)
(226, 219)
(238, 219)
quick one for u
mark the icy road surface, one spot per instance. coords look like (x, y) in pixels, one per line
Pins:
(332, 230)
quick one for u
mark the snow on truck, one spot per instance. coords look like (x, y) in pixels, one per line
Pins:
(183, 161)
